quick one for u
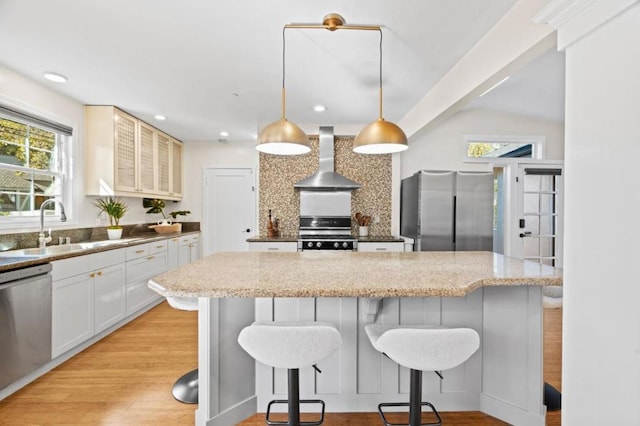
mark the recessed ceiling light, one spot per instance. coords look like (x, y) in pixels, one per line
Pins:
(224, 134)
(55, 77)
(160, 117)
(319, 108)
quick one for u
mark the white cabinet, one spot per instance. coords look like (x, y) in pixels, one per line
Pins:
(378, 247)
(173, 247)
(130, 157)
(144, 261)
(189, 249)
(273, 246)
(108, 296)
(87, 297)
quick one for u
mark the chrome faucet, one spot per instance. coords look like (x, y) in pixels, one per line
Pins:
(42, 239)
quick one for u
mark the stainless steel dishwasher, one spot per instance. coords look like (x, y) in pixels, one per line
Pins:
(25, 321)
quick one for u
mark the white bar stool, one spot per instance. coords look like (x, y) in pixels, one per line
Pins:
(185, 389)
(422, 348)
(291, 345)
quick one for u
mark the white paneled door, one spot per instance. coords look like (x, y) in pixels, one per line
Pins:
(540, 216)
(229, 209)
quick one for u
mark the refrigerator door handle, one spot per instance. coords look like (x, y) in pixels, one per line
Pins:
(455, 200)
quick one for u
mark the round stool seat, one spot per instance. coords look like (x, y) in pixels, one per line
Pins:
(290, 345)
(424, 347)
(183, 303)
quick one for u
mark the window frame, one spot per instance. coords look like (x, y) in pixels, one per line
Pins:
(64, 142)
(536, 141)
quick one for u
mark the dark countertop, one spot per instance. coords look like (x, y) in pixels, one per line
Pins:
(9, 262)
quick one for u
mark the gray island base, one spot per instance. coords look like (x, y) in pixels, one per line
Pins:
(498, 296)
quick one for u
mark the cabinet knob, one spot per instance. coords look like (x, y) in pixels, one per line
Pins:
(139, 251)
(99, 273)
(92, 275)
(151, 257)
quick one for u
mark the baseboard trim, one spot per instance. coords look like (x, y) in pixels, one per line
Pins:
(510, 413)
(232, 415)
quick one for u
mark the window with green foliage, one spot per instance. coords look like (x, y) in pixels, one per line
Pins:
(31, 166)
(498, 149)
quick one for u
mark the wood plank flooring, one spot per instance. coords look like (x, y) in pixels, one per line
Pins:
(126, 378)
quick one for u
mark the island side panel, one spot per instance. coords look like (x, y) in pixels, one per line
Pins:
(512, 374)
(226, 372)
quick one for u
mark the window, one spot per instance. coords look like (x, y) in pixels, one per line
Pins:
(32, 166)
(499, 148)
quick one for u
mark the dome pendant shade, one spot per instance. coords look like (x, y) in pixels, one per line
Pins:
(380, 137)
(283, 137)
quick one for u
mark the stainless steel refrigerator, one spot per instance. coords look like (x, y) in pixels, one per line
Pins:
(447, 210)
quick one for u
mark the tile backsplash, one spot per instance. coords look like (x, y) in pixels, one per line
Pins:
(278, 174)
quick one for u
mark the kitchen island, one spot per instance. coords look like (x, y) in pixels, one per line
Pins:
(498, 296)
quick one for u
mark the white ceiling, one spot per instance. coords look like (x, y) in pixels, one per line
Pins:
(211, 65)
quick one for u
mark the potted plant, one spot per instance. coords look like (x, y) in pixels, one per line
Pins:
(156, 206)
(115, 208)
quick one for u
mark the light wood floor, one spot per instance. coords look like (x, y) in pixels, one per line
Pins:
(126, 379)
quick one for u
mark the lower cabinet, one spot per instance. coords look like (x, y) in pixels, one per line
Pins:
(378, 247)
(93, 292)
(189, 249)
(144, 261)
(88, 296)
(289, 246)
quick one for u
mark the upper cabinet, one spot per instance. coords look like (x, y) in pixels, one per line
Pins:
(128, 157)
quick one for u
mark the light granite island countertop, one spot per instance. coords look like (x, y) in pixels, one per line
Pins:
(350, 274)
(498, 296)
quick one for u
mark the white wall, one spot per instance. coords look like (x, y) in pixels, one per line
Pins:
(601, 335)
(201, 155)
(441, 147)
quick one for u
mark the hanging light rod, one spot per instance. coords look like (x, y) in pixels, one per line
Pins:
(286, 138)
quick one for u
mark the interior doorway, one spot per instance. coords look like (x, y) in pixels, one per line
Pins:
(229, 209)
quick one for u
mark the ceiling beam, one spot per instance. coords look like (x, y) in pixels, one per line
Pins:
(512, 43)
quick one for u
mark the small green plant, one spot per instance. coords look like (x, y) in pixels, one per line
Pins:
(157, 206)
(114, 207)
(177, 213)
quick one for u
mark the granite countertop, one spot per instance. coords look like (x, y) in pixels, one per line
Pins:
(9, 261)
(349, 274)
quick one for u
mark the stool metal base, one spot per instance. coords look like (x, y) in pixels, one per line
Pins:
(186, 388)
(293, 403)
(289, 422)
(406, 404)
(415, 404)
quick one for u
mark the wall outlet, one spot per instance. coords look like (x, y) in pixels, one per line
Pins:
(376, 218)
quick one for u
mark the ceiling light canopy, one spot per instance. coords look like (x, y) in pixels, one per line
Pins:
(284, 137)
(159, 117)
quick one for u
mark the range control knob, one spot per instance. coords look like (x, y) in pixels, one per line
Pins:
(309, 244)
(336, 245)
(318, 244)
(345, 244)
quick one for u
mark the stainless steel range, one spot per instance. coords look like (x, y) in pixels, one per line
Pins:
(326, 233)
(325, 203)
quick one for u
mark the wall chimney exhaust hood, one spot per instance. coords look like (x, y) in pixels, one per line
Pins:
(326, 179)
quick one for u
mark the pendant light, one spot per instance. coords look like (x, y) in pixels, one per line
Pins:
(380, 137)
(283, 137)
(286, 138)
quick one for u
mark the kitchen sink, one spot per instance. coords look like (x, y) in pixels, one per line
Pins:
(63, 248)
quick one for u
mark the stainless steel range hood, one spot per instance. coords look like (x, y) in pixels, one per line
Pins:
(326, 179)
